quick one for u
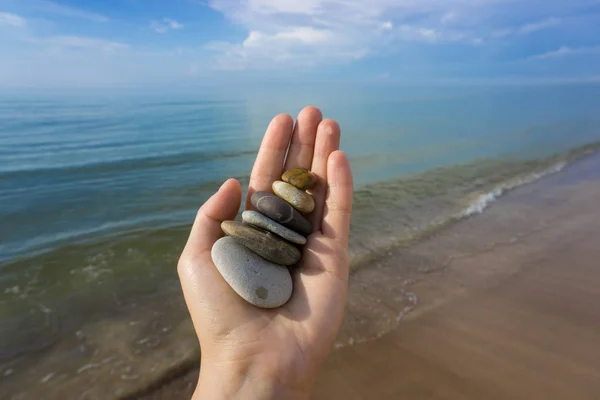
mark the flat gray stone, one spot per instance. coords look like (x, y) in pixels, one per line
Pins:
(256, 280)
(257, 219)
(280, 211)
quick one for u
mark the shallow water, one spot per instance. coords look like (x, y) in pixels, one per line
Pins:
(97, 191)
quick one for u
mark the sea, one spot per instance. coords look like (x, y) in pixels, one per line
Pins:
(98, 190)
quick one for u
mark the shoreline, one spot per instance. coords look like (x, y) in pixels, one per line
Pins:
(463, 271)
(475, 202)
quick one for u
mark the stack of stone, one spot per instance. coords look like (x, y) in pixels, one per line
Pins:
(255, 256)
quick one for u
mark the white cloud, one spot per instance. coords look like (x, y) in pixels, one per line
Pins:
(528, 28)
(449, 17)
(66, 11)
(62, 43)
(500, 33)
(158, 27)
(565, 51)
(83, 43)
(164, 25)
(8, 19)
(173, 24)
(538, 26)
(302, 46)
(29, 34)
(303, 34)
(312, 32)
(416, 33)
(285, 6)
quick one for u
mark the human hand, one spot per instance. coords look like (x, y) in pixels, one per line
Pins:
(248, 352)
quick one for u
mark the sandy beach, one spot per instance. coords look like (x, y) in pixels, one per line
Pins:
(515, 318)
(502, 305)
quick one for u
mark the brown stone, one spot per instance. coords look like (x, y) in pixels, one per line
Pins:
(269, 246)
(300, 178)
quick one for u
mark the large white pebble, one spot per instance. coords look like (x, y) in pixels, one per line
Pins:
(256, 280)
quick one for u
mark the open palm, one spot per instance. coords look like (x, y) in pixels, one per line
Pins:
(246, 349)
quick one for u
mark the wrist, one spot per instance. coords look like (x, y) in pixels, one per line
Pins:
(242, 381)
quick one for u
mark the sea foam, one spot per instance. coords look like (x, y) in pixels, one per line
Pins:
(483, 201)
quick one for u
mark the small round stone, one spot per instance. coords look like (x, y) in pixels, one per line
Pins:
(300, 178)
(256, 280)
(257, 219)
(271, 247)
(281, 212)
(299, 199)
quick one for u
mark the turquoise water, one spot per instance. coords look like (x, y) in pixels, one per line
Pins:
(76, 165)
(98, 189)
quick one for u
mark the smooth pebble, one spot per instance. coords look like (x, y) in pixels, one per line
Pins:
(300, 178)
(271, 247)
(257, 219)
(281, 212)
(299, 199)
(256, 280)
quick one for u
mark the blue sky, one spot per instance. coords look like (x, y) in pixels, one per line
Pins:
(124, 42)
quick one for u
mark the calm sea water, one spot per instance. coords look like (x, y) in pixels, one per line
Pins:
(98, 189)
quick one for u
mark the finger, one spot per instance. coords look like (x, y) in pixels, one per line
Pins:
(338, 203)
(269, 162)
(301, 150)
(222, 206)
(327, 141)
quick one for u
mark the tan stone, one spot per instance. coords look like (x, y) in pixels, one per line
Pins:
(299, 199)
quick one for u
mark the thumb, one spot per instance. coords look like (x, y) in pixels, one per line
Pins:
(223, 205)
(200, 280)
(207, 295)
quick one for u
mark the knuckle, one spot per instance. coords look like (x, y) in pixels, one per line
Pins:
(337, 185)
(321, 156)
(182, 266)
(338, 208)
(186, 265)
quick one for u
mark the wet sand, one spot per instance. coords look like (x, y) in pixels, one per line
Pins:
(532, 333)
(503, 305)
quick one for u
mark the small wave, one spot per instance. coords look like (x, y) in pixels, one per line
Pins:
(483, 201)
(422, 204)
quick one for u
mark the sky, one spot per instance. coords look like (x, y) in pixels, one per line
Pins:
(167, 42)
